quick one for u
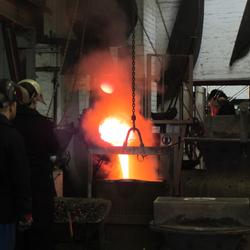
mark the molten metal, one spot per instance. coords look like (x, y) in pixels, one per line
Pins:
(114, 131)
(108, 119)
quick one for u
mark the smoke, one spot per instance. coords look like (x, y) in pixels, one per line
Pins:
(104, 23)
(108, 24)
(109, 21)
(117, 104)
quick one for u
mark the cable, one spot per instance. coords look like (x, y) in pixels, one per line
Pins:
(168, 36)
(238, 93)
(151, 43)
(65, 51)
(162, 18)
(147, 35)
(218, 90)
(221, 87)
(186, 108)
(164, 23)
(194, 105)
(70, 93)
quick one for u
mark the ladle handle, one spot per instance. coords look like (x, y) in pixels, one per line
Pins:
(125, 144)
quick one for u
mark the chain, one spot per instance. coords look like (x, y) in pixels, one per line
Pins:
(133, 79)
(133, 117)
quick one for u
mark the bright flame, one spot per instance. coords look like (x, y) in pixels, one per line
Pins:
(107, 88)
(114, 131)
(103, 71)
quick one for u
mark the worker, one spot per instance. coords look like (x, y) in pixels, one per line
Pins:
(219, 104)
(15, 193)
(42, 146)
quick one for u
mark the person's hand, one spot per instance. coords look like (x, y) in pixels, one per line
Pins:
(62, 162)
(25, 222)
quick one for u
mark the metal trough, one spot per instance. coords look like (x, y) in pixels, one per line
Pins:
(201, 223)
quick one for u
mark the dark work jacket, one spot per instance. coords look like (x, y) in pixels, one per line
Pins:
(226, 108)
(15, 193)
(41, 144)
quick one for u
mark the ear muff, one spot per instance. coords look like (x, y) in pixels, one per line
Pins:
(30, 88)
(33, 89)
(7, 92)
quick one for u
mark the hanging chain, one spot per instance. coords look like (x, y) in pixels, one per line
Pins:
(133, 117)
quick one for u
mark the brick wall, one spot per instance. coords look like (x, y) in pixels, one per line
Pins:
(149, 20)
(156, 39)
(169, 10)
(153, 23)
(221, 23)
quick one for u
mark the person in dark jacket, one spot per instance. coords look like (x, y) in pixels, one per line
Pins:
(15, 193)
(41, 144)
(219, 104)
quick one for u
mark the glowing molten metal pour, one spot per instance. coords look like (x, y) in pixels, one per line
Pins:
(114, 131)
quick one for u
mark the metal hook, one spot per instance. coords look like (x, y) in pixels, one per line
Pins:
(125, 144)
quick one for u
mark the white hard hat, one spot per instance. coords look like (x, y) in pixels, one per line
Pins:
(32, 87)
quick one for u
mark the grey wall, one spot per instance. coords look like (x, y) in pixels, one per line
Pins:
(154, 26)
(221, 23)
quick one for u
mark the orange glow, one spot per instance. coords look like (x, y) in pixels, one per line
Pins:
(109, 119)
(114, 131)
(107, 88)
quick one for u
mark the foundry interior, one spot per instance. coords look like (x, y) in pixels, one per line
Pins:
(149, 100)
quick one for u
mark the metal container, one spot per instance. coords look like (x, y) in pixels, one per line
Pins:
(128, 224)
(132, 200)
(206, 212)
(201, 223)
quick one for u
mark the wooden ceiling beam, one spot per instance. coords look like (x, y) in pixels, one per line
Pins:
(22, 13)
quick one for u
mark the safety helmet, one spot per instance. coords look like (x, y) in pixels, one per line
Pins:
(33, 88)
(9, 92)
